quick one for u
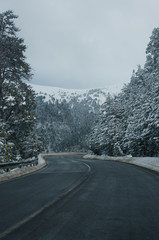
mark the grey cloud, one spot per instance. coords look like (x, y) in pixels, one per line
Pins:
(84, 43)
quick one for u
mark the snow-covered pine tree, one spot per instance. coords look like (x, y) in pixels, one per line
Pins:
(107, 135)
(17, 103)
(133, 100)
(152, 49)
(133, 125)
(19, 118)
(13, 66)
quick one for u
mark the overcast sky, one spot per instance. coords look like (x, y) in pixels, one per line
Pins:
(84, 43)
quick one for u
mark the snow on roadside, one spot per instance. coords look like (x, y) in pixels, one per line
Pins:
(18, 172)
(41, 159)
(147, 162)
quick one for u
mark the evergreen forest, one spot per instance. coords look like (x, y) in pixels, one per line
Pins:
(126, 124)
(129, 122)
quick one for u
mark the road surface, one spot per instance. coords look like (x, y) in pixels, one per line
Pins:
(77, 199)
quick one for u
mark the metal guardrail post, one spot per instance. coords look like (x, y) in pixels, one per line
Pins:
(6, 147)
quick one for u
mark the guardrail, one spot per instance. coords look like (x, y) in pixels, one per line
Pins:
(7, 166)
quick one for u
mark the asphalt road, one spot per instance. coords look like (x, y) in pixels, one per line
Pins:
(67, 201)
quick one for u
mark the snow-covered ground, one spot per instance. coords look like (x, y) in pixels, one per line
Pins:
(147, 162)
(67, 94)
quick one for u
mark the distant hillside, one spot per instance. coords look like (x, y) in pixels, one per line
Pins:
(61, 94)
(66, 116)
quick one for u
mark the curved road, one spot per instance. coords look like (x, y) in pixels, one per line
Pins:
(77, 199)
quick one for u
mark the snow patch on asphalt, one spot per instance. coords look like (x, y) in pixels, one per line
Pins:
(147, 162)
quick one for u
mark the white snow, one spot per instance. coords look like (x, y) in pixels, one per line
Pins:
(66, 94)
(147, 162)
(41, 160)
(10, 98)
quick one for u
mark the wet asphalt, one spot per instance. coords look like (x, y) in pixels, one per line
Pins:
(112, 201)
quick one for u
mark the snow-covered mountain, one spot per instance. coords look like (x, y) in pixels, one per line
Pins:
(99, 95)
(65, 116)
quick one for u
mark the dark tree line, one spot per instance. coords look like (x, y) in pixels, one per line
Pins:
(65, 126)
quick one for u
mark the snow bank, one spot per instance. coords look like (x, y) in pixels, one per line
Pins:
(147, 162)
(41, 159)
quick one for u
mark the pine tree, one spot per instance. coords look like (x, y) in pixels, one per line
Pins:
(17, 99)
(12, 59)
(130, 124)
(152, 49)
(19, 118)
